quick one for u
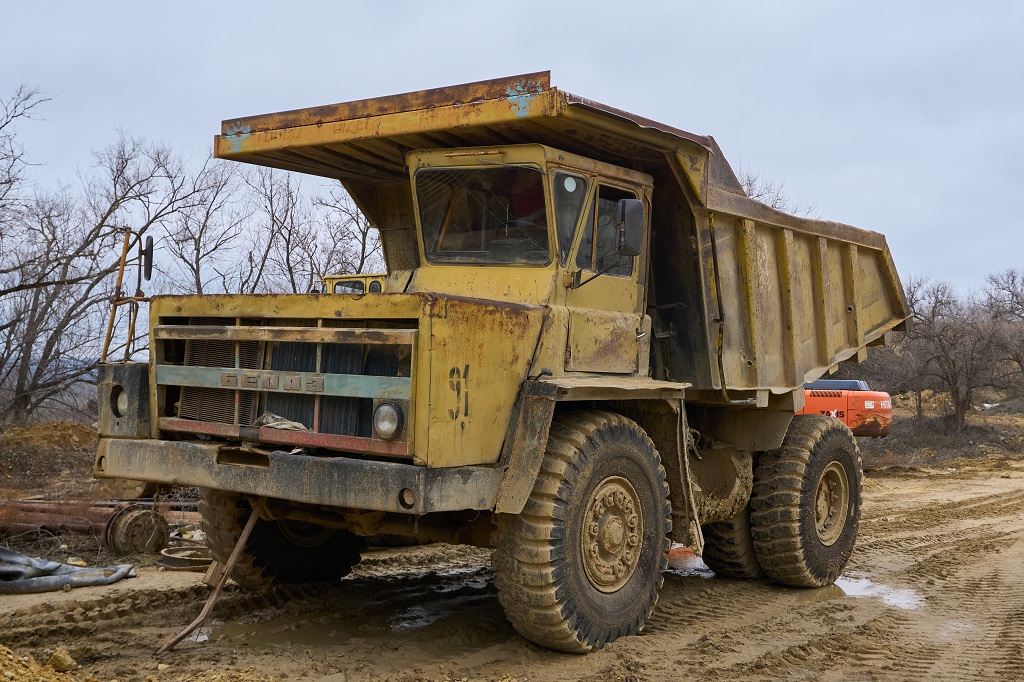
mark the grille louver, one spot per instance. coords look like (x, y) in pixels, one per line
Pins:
(279, 358)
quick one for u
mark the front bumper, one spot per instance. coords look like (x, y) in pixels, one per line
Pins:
(328, 481)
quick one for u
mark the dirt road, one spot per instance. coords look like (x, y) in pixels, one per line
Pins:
(935, 591)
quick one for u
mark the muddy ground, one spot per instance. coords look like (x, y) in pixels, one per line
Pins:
(933, 592)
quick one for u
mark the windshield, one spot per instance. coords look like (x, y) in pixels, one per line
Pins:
(483, 215)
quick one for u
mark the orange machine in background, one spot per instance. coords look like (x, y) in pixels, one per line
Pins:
(866, 412)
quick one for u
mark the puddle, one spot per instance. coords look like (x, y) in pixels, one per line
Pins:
(855, 586)
(683, 562)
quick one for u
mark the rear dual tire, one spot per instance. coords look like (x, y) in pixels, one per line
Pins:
(805, 508)
(729, 548)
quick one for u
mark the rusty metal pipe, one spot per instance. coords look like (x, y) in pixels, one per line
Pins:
(126, 528)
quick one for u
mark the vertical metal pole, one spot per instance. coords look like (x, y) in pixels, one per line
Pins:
(117, 293)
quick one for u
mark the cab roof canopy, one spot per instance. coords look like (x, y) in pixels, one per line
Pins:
(364, 144)
(366, 141)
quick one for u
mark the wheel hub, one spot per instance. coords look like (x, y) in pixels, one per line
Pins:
(612, 533)
(831, 503)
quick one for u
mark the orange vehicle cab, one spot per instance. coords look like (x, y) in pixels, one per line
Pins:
(866, 412)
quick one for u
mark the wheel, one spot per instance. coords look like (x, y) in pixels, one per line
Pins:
(283, 551)
(805, 509)
(581, 565)
(729, 548)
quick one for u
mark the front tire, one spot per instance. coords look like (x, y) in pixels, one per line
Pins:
(581, 565)
(277, 551)
(805, 509)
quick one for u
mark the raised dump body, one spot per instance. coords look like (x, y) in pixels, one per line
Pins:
(589, 344)
(742, 297)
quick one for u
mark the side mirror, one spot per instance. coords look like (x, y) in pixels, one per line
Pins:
(631, 227)
(147, 259)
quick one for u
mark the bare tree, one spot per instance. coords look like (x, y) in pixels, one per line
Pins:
(285, 213)
(959, 341)
(771, 193)
(287, 241)
(55, 287)
(19, 106)
(204, 236)
(1005, 299)
(1006, 293)
(351, 243)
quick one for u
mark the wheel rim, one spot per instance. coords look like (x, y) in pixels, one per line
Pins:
(613, 529)
(304, 534)
(831, 503)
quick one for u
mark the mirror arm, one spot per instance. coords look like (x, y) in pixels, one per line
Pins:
(595, 275)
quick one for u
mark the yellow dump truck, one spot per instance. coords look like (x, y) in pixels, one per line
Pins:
(354, 284)
(590, 345)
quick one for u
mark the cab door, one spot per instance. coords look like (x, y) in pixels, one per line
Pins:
(604, 298)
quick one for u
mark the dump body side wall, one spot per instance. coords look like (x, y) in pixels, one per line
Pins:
(785, 305)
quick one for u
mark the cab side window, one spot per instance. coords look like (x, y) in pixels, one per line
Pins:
(602, 253)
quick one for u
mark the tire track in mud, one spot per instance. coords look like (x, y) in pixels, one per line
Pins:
(935, 552)
(876, 648)
(136, 608)
(927, 537)
(983, 507)
(962, 556)
(391, 576)
(983, 605)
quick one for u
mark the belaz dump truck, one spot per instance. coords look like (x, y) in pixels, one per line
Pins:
(354, 284)
(590, 344)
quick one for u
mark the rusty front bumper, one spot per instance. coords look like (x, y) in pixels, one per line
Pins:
(329, 481)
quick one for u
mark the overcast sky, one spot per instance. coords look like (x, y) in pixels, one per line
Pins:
(902, 117)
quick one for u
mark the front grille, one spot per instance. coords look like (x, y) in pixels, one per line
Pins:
(306, 371)
(344, 415)
(218, 404)
(292, 357)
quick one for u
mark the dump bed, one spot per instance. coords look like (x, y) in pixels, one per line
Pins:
(746, 301)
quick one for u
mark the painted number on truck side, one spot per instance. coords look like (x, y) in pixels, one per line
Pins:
(458, 380)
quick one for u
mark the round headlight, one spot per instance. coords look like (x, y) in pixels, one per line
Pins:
(387, 420)
(118, 401)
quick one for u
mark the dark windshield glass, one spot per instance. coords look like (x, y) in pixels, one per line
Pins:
(570, 190)
(354, 287)
(483, 215)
